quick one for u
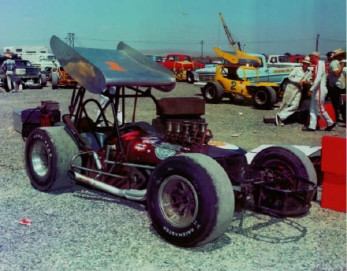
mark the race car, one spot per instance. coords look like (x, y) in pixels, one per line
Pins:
(188, 181)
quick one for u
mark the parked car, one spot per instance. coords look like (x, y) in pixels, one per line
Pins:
(156, 58)
(296, 58)
(182, 66)
(25, 73)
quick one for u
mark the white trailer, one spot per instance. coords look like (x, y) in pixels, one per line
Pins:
(28, 52)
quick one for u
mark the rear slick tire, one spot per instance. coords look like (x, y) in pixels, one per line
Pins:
(190, 200)
(48, 153)
(287, 159)
(55, 78)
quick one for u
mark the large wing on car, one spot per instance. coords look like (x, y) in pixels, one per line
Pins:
(237, 57)
(96, 69)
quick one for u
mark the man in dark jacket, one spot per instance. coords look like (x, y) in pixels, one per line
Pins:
(9, 67)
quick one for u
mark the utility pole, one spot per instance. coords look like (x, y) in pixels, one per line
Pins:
(202, 48)
(317, 42)
(70, 39)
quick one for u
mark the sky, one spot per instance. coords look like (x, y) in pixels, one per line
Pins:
(179, 26)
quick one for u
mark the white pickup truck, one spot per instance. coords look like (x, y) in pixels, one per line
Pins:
(46, 62)
(266, 73)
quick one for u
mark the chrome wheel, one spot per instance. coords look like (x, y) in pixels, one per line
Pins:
(178, 201)
(210, 93)
(40, 159)
(261, 97)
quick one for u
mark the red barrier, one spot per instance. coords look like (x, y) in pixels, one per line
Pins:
(334, 170)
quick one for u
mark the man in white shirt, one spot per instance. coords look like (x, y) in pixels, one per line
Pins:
(292, 94)
(318, 92)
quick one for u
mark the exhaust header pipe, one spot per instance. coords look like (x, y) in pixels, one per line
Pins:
(131, 194)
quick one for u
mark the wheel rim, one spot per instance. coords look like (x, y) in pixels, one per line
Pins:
(178, 201)
(210, 93)
(40, 159)
(260, 97)
(285, 170)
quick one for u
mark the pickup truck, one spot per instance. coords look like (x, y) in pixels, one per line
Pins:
(284, 60)
(273, 74)
(182, 66)
(46, 61)
(272, 59)
(25, 73)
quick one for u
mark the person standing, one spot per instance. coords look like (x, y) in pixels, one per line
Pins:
(9, 67)
(329, 56)
(299, 77)
(318, 92)
(104, 98)
(337, 80)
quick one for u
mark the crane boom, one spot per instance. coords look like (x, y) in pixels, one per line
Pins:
(227, 32)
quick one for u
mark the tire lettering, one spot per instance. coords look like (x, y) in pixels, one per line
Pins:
(197, 225)
(181, 234)
(38, 136)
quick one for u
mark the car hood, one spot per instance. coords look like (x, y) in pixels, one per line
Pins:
(96, 69)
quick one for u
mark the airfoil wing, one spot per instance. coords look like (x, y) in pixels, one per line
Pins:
(96, 69)
(232, 58)
(237, 57)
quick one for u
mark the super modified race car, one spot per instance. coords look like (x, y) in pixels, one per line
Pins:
(187, 181)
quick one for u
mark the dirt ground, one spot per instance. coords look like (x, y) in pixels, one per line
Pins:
(86, 229)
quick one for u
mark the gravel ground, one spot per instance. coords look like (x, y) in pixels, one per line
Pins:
(85, 229)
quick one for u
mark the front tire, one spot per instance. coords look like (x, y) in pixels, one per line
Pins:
(264, 97)
(190, 200)
(213, 93)
(48, 153)
(43, 80)
(6, 85)
(190, 78)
